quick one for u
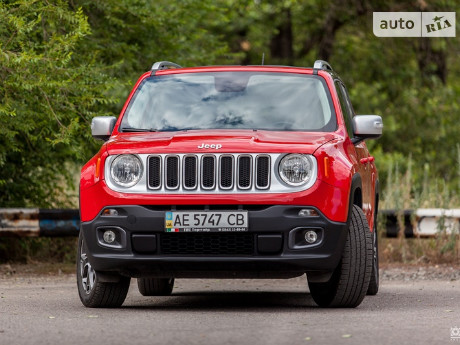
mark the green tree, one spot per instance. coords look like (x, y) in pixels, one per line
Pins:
(413, 83)
(62, 63)
(130, 35)
(48, 94)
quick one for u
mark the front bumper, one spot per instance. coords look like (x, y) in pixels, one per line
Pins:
(273, 246)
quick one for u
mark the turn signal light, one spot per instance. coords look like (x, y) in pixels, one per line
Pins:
(110, 212)
(308, 212)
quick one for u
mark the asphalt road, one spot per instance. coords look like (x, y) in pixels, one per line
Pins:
(46, 310)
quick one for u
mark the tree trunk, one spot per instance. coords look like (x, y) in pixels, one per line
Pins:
(281, 43)
(431, 62)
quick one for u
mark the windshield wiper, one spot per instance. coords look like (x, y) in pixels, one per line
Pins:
(131, 129)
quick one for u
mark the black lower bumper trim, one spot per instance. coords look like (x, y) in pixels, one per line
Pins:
(266, 250)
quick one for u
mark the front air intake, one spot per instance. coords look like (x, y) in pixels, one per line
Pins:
(192, 173)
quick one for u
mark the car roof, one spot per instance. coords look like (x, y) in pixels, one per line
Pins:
(166, 67)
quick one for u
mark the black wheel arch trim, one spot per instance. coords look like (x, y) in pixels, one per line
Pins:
(376, 203)
(377, 196)
(356, 183)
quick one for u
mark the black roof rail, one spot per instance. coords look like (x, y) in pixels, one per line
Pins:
(321, 64)
(159, 65)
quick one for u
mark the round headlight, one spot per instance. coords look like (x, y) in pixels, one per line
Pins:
(126, 170)
(296, 169)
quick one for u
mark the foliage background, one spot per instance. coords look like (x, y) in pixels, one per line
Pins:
(64, 62)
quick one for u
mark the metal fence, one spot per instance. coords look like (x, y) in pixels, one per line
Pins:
(34, 222)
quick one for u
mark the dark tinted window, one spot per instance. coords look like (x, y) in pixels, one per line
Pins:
(346, 107)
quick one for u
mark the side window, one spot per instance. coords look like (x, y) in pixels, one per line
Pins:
(347, 99)
(345, 104)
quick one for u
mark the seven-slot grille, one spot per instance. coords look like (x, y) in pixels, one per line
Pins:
(226, 172)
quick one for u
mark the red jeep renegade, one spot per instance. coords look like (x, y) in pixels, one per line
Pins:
(231, 172)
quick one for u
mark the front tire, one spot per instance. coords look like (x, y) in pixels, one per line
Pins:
(155, 286)
(350, 280)
(94, 293)
(375, 279)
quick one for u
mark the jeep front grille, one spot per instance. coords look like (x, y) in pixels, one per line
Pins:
(206, 172)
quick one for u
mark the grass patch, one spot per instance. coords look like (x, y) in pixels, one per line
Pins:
(42, 249)
(419, 251)
(37, 268)
(402, 193)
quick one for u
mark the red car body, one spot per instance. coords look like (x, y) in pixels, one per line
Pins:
(339, 160)
(289, 230)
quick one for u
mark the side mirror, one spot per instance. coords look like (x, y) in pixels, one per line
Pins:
(367, 127)
(102, 127)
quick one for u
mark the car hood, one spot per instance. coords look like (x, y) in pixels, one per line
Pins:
(218, 141)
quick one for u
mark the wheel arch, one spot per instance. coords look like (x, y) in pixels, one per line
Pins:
(376, 203)
(356, 195)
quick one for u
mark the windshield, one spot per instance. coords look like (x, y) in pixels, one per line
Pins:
(231, 100)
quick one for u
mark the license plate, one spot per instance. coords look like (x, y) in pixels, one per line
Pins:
(206, 221)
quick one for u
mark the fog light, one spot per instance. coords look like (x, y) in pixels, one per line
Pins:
(310, 236)
(109, 236)
(308, 212)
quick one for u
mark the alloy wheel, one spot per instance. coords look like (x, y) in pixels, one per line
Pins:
(87, 273)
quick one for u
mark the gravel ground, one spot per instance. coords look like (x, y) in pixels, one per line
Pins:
(39, 305)
(419, 272)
